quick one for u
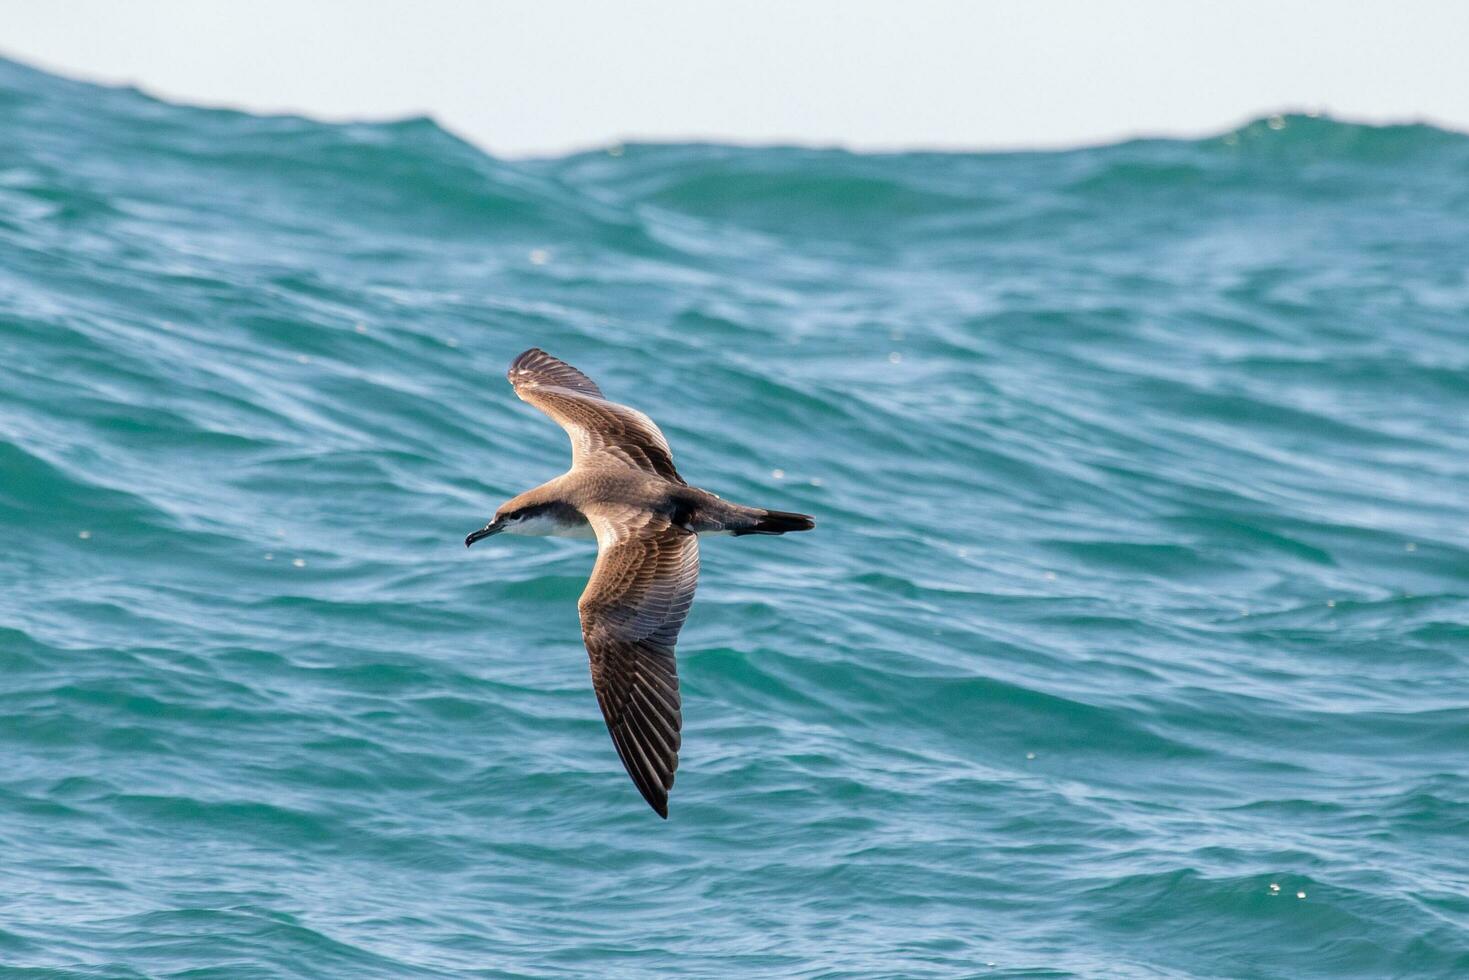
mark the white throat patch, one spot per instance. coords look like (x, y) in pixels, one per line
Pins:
(543, 526)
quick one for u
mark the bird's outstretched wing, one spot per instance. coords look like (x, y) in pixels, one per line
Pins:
(633, 607)
(597, 427)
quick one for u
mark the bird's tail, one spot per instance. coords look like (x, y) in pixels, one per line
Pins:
(776, 522)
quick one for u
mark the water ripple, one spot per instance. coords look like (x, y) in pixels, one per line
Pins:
(1139, 605)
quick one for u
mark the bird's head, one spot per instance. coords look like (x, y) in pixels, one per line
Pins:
(515, 516)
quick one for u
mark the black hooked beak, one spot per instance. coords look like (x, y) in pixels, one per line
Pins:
(494, 527)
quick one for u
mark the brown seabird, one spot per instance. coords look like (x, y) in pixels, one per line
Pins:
(622, 489)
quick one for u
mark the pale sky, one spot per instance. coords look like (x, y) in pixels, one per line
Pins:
(545, 76)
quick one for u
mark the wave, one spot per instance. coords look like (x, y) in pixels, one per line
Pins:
(1139, 583)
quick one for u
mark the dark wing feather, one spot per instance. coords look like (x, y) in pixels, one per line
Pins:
(537, 367)
(597, 427)
(631, 612)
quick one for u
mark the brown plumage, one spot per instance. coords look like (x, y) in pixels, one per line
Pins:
(623, 489)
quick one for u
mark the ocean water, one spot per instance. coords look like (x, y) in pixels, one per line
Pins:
(1133, 640)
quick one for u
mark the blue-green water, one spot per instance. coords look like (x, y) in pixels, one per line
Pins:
(1141, 581)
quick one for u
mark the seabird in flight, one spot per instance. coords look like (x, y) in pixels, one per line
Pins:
(622, 489)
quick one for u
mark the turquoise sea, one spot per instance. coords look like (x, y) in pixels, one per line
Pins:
(1133, 640)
